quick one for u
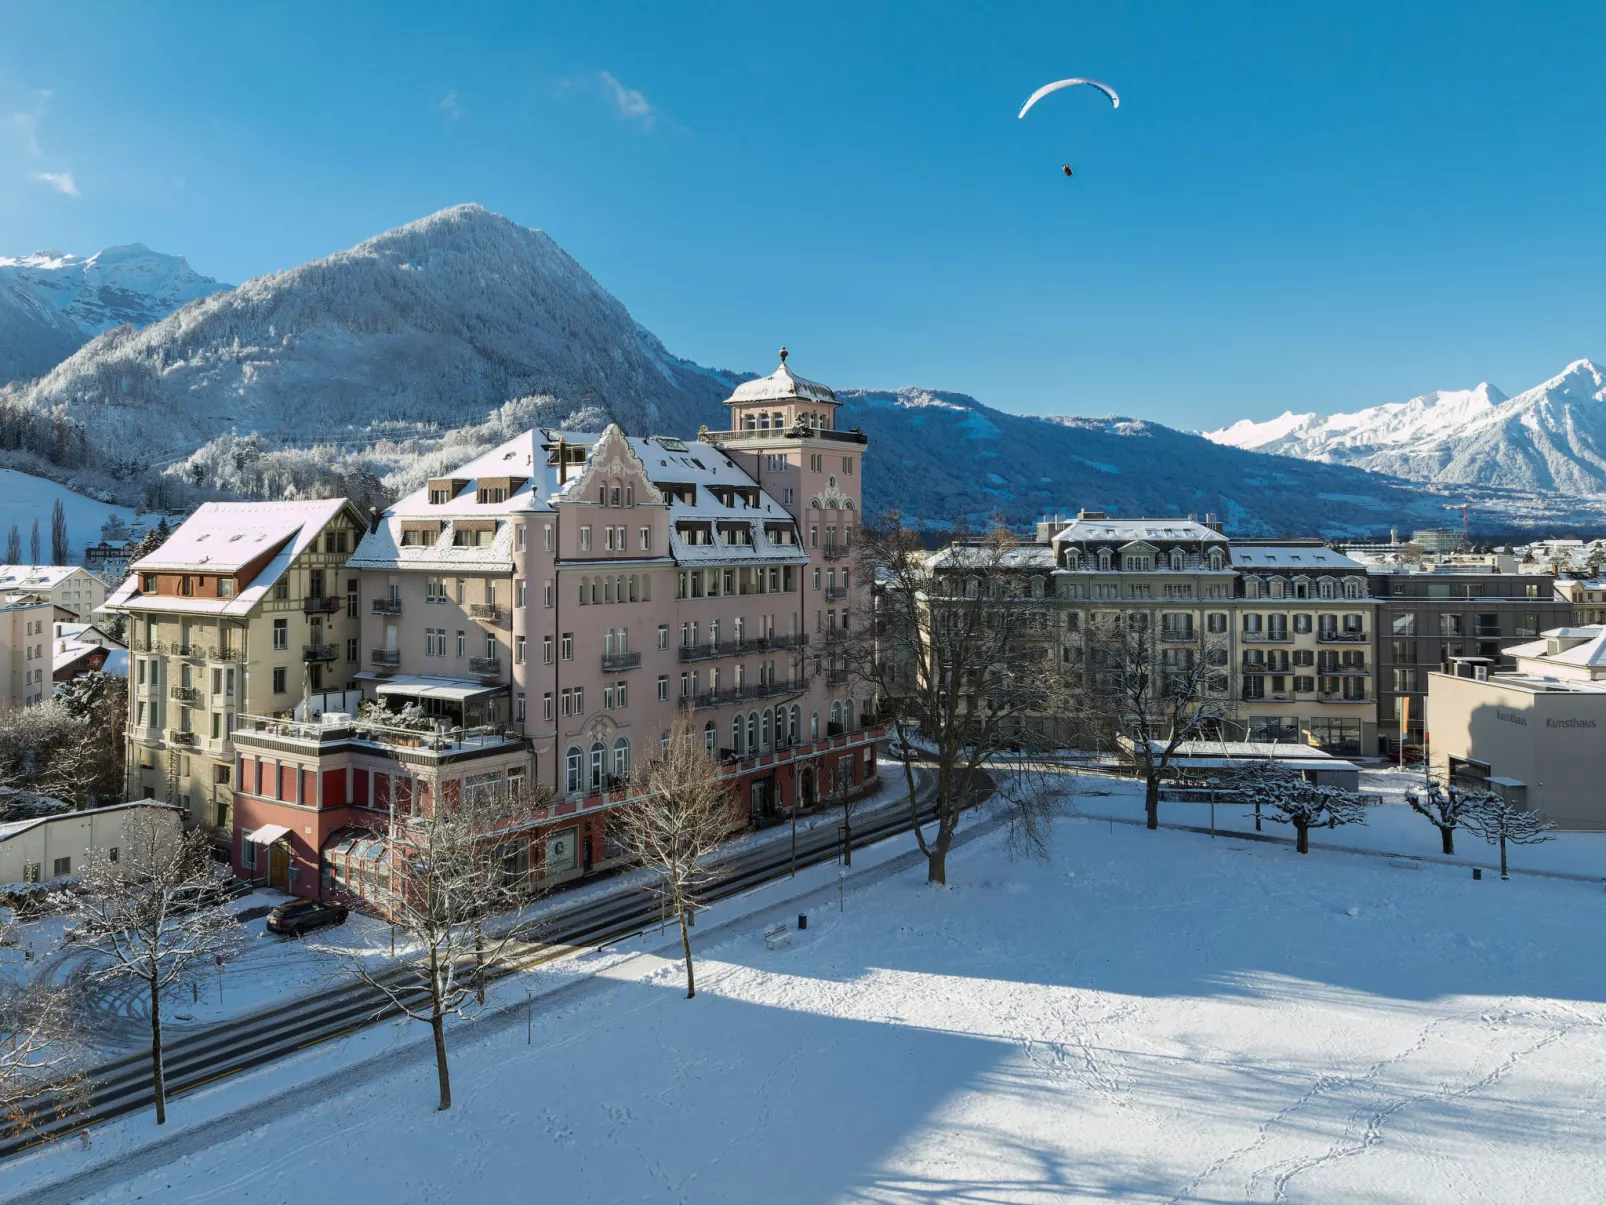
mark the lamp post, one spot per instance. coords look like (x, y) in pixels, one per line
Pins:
(1212, 783)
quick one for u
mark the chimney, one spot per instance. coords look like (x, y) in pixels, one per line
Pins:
(563, 461)
(373, 519)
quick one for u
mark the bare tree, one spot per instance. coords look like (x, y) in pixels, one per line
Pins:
(680, 809)
(1156, 689)
(955, 648)
(70, 746)
(147, 908)
(60, 552)
(1499, 821)
(1287, 797)
(41, 1051)
(1446, 808)
(454, 882)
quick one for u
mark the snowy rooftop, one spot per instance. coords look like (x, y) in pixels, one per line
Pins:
(35, 577)
(1127, 530)
(223, 537)
(1025, 556)
(781, 385)
(1293, 557)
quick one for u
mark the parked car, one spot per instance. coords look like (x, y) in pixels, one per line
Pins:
(898, 751)
(302, 916)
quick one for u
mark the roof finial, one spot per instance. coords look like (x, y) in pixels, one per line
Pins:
(783, 355)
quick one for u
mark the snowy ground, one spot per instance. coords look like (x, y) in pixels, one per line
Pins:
(1391, 827)
(24, 498)
(1151, 1017)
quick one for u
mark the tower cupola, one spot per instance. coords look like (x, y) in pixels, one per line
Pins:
(781, 401)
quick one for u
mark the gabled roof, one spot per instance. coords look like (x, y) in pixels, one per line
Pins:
(223, 537)
(35, 577)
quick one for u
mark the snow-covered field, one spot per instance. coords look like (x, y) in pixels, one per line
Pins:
(24, 498)
(1151, 1017)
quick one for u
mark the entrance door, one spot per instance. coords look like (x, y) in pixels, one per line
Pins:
(279, 866)
(805, 790)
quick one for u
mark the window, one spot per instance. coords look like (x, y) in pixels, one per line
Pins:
(546, 650)
(1404, 680)
(546, 536)
(663, 635)
(1302, 623)
(1450, 625)
(518, 593)
(462, 650)
(663, 688)
(1404, 625)
(585, 538)
(281, 633)
(567, 646)
(518, 537)
(351, 648)
(518, 650)
(574, 760)
(1216, 622)
(546, 705)
(1527, 623)
(281, 589)
(1403, 652)
(281, 679)
(61, 866)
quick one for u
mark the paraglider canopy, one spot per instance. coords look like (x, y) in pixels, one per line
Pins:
(1115, 101)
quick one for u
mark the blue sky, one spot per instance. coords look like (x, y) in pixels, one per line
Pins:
(1298, 205)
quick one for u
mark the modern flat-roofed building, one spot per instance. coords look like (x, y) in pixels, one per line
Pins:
(1532, 733)
(1429, 615)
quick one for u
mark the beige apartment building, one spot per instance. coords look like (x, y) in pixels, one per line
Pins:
(1586, 597)
(25, 649)
(550, 605)
(1291, 624)
(244, 610)
(1532, 734)
(71, 587)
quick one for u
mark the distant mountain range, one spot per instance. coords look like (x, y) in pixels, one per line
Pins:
(409, 353)
(51, 303)
(1551, 438)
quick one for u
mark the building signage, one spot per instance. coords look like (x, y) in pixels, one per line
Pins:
(560, 850)
(1572, 723)
(1510, 717)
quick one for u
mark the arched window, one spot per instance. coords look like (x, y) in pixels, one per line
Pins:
(752, 732)
(635, 585)
(850, 713)
(619, 588)
(1215, 560)
(646, 587)
(736, 736)
(1177, 559)
(607, 590)
(836, 714)
(764, 734)
(596, 590)
(1072, 560)
(621, 759)
(847, 504)
(585, 591)
(599, 759)
(573, 760)
(1104, 561)
(814, 725)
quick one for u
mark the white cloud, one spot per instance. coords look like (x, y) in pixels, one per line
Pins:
(632, 103)
(451, 105)
(62, 182)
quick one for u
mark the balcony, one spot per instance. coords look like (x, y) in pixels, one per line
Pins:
(485, 612)
(836, 552)
(1334, 696)
(835, 593)
(736, 648)
(320, 652)
(1178, 636)
(254, 731)
(390, 657)
(226, 653)
(836, 677)
(184, 694)
(613, 663)
(1331, 636)
(176, 737)
(752, 690)
(836, 635)
(1268, 637)
(485, 667)
(326, 605)
(387, 606)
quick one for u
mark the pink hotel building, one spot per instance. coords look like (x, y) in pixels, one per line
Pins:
(551, 603)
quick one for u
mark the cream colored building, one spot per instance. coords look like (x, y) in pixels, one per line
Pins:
(245, 609)
(1533, 734)
(71, 587)
(1586, 596)
(53, 847)
(25, 649)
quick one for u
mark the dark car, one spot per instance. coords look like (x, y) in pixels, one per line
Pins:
(302, 916)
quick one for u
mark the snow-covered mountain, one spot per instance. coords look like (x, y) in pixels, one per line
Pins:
(408, 354)
(1548, 438)
(52, 303)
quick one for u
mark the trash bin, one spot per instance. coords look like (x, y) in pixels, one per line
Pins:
(802, 920)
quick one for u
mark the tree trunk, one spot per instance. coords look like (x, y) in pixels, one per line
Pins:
(437, 1023)
(1302, 838)
(479, 961)
(158, 1086)
(1257, 815)
(1503, 873)
(685, 944)
(847, 838)
(1449, 839)
(1151, 799)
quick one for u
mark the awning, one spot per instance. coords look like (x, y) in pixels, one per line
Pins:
(268, 834)
(452, 690)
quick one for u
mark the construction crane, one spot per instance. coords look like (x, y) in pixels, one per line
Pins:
(1463, 507)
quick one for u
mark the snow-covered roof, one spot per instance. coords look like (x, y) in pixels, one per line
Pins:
(223, 537)
(36, 577)
(781, 385)
(1124, 531)
(1291, 559)
(1024, 556)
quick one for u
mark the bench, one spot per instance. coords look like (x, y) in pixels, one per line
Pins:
(777, 936)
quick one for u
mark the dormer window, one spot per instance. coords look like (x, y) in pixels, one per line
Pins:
(1215, 560)
(1177, 560)
(1104, 561)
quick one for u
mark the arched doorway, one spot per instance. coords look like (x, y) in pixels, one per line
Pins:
(805, 789)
